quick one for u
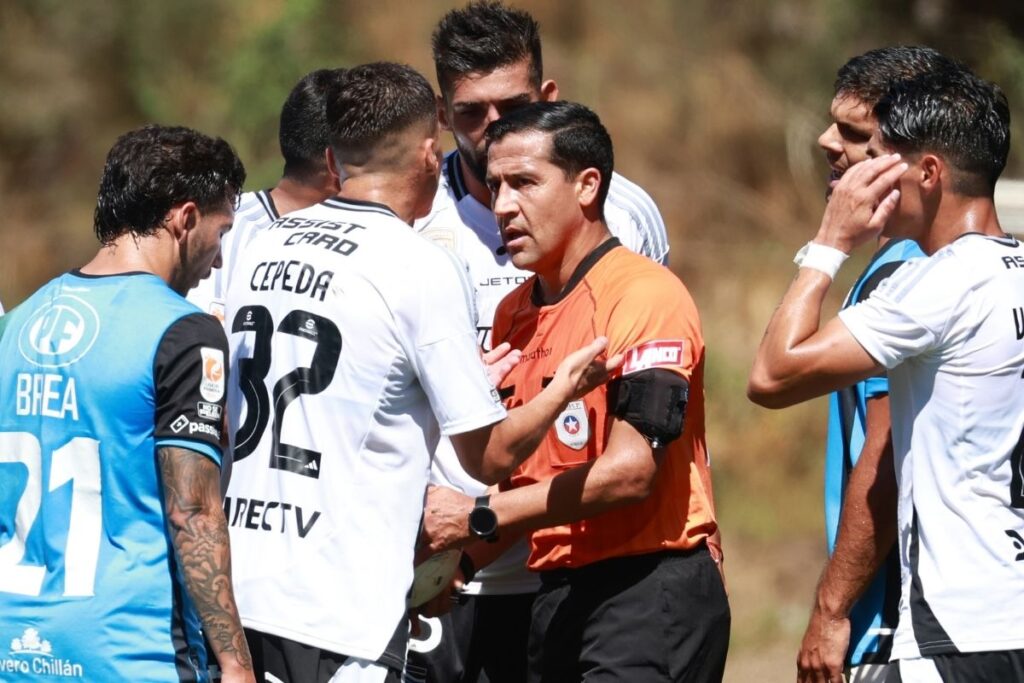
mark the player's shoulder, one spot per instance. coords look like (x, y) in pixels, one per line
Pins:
(446, 199)
(624, 192)
(158, 303)
(630, 209)
(255, 209)
(193, 327)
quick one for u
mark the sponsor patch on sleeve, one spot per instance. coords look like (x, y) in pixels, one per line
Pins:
(660, 353)
(212, 385)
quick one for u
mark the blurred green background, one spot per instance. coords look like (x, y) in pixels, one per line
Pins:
(714, 107)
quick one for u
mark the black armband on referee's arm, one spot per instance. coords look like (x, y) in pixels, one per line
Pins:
(653, 401)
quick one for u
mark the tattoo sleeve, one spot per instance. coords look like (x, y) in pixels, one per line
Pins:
(199, 532)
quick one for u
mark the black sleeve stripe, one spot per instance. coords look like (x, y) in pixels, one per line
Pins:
(884, 271)
(190, 377)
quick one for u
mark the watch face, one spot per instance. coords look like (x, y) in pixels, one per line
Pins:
(483, 522)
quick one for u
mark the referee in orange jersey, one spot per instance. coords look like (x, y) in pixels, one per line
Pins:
(618, 497)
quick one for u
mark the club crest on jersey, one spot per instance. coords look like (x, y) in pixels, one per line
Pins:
(572, 426)
(443, 237)
(212, 385)
(60, 333)
(654, 354)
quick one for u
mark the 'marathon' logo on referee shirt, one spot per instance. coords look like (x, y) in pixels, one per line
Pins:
(32, 654)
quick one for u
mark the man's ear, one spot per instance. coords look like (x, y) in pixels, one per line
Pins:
(588, 187)
(431, 151)
(332, 168)
(932, 171)
(442, 113)
(181, 219)
(548, 91)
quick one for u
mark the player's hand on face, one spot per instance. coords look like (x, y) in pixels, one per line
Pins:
(583, 370)
(445, 520)
(823, 649)
(499, 361)
(861, 203)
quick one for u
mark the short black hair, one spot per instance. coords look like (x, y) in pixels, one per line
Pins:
(952, 113)
(483, 36)
(303, 132)
(152, 169)
(374, 101)
(869, 76)
(578, 138)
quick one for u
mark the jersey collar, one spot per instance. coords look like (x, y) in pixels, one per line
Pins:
(589, 261)
(267, 200)
(1005, 240)
(351, 204)
(453, 171)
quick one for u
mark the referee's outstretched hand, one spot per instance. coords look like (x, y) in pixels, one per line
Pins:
(585, 369)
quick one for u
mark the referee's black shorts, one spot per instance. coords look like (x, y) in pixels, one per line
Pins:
(657, 617)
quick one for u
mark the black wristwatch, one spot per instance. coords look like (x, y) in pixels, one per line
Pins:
(483, 523)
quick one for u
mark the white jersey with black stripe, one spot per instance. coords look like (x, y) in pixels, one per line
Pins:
(950, 328)
(352, 350)
(256, 211)
(463, 225)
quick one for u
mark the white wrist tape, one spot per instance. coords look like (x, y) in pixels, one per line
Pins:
(820, 257)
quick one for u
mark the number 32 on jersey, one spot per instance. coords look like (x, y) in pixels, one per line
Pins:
(252, 373)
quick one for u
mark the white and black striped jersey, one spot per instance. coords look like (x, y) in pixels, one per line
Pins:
(950, 328)
(352, 350)
(256, 211)
(463, 225)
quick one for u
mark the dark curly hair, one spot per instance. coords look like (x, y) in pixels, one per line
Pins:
(152, 169)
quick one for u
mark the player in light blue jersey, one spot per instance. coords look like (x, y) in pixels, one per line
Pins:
(873, 617)
(114, 555)
(861, 581)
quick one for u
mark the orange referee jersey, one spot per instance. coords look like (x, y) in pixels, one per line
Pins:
(647, 313)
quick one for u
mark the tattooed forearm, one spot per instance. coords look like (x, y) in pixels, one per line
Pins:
(199, 533)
